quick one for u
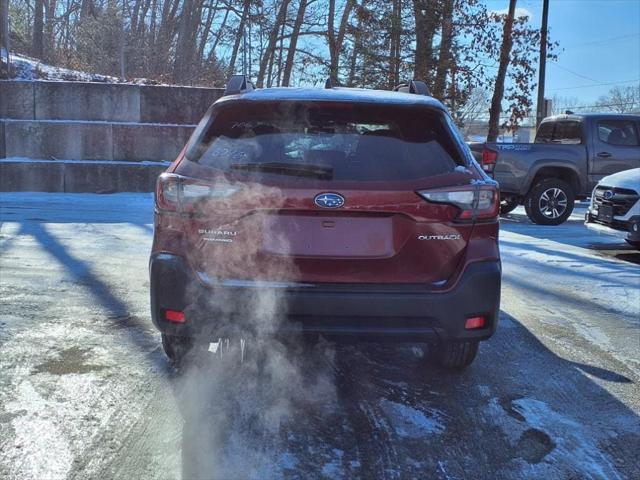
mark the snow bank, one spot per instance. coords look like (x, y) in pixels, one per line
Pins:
(29, 69)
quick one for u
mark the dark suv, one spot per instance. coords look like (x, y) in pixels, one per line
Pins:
(336, 212)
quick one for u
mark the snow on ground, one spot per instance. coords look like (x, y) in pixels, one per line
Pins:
(55, 207)
(552, 395)
(575, 264)
(27, 68)
(409, 422)
(150, 163)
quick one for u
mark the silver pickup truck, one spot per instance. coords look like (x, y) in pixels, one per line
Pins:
(570, 154)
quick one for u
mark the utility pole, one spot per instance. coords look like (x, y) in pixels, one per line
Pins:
(543, 62)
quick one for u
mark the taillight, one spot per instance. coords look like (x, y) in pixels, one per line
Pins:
(474, 322)
(489, 159)
(174, 316)
(474, 202)
(175, 193)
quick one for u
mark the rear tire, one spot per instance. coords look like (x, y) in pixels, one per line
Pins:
(508, 206)
(455, 355)
(550, 202)
(634, 243)
(177, 348)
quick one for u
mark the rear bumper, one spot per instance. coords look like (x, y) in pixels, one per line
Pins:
(399, 313)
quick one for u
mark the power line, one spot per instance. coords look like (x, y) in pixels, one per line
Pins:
(574, 73)
(604, 40)
(609, 105)
(596, 85)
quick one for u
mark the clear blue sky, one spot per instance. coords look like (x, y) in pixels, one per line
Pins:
(599, 43)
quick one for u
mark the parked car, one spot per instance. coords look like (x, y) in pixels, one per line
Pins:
(390, 225)
(615, 206)
(570, 154)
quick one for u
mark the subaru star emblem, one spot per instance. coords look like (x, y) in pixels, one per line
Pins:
(608, 195)
(329, 200)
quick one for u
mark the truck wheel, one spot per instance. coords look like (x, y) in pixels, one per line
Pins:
(549, 202)
(454, 355)
(176, 347)
(507, 206)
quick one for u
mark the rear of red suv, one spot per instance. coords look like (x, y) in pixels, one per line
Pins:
(345, 213)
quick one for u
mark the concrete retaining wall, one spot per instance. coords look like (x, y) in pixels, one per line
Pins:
(95, 177)
(93, 137)
(105, 102)
(46, 140)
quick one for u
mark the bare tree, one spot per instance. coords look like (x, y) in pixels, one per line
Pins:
(620, 100)
(239, 36)
(498, 92)
(356, 51)
(293, 43)
(445, 55)
(4, 36)
(560, 104)
(395, 43)
(336, 39)
(271, 42)
(37, 48)
(185, 43)
(427, 17)
(473, 111)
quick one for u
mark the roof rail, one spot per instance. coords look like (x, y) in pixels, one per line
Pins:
(238, 84)
(330, 83)
(414, 86)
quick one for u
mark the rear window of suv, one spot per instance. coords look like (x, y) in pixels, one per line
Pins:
(329, 141)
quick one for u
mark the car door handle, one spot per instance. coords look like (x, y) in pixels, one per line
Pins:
(604, 154)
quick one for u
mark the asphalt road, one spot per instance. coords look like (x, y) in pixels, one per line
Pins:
(86, 392)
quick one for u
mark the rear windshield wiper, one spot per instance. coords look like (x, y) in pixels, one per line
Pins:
(279, 168)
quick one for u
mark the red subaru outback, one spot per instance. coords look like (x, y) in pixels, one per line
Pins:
(346, 213)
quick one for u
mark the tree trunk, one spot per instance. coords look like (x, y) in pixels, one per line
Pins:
(212, 53)
(427, 18)
(239, 37)
(336, 41)
(498, 92)
(357, 46)
(279, 78)
(4, 33)
(122, 52)
(37, 48)
(186, 64)
(394, 44)
(271, 43)
(87, 9)
(444, 60)
(293, 43)
(49, 33)
(134, 15)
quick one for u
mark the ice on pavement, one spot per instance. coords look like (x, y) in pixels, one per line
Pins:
(77, 207)
(410, 422)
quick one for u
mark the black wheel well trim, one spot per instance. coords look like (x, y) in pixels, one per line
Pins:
(561, 172)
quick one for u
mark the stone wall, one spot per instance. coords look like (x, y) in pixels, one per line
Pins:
(93, 136)
(107, 102)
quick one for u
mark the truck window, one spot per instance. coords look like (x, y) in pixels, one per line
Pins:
(545, 133)
(568, 133)
(563, 132)
(618, 132)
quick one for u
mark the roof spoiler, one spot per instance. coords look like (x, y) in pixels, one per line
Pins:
(238, 84)
(414, 86)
